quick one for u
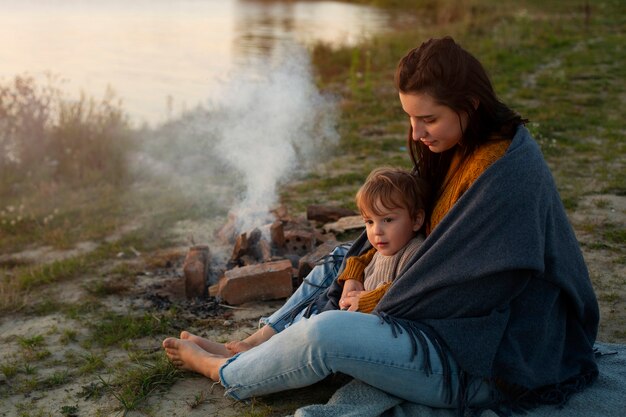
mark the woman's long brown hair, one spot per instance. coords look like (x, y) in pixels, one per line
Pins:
(456, 79)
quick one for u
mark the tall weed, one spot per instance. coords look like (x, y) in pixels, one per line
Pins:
(46, 137)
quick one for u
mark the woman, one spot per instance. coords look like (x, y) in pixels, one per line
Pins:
(495, 309)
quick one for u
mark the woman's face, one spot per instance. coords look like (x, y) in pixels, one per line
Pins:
(436, 126)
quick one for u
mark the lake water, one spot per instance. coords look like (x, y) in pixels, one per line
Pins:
(164, 56)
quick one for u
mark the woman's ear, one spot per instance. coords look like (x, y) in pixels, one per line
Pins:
(419, 220)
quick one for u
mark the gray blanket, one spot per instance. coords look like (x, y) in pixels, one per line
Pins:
(605, 398)
(502, 284)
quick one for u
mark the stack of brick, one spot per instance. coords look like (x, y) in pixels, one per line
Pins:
(260, 269)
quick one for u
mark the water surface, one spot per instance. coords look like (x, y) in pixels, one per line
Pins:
(164, 56)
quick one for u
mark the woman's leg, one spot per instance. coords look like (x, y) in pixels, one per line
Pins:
(355, 344)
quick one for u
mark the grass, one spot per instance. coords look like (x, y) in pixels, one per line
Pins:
(68, 336)
(132, 386)
(31, 342)
(112, 328)
(91, 362)
(9, 370)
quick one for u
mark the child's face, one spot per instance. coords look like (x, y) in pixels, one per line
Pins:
(392, 230)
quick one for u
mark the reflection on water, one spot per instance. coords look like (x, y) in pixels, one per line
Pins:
(261, 25)
(164, 54)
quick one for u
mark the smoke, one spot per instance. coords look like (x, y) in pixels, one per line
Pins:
(260, 129)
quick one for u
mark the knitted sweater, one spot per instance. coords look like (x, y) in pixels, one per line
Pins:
(376, 272)
(459, 178)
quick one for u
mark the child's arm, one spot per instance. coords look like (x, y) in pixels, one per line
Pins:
(352, 276)
(369, 299)
(355, 266)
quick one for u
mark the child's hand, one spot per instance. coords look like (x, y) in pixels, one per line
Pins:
(349, 285)
(237, 346)
(350, 301)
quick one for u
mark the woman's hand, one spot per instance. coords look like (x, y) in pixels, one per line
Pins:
(350, 295)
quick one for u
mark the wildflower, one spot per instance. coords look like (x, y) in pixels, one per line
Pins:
(10, 209)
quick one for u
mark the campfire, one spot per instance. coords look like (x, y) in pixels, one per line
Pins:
(267, 262)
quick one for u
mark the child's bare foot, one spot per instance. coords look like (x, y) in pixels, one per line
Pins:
(237, 346)
(206, 344)
(189, 356)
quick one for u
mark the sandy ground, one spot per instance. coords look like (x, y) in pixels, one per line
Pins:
(194, 395)
(606, 261)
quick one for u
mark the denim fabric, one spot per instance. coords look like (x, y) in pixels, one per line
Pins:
(353, 343)
(317, 281)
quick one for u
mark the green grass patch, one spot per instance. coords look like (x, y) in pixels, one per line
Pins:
(68, 336)
(69, 411)
(615, 234)
(9, 370)
(611, 297)
(102, 287)
(115, 329)
(32, 342)
(91, 362)
(134, 384)
(58, 378)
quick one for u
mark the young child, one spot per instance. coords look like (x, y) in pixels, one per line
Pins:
(392, 202)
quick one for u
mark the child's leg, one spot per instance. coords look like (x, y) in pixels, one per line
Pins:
(320, 278)
(188, 355)
(316, 281)
(206, 344)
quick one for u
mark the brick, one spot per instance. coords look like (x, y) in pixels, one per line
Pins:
(266, 281)
(307, 262)
(326, 214)
(299, 242)
(345, 224)
(195, 270)
(264, 250)
(277, 232)
(250, 248)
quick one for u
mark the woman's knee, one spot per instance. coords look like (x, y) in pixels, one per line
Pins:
(330, 329)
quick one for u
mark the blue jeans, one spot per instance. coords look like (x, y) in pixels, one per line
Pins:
(353, 343)
(316, 282)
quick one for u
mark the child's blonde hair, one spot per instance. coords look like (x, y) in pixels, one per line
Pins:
(390, 188)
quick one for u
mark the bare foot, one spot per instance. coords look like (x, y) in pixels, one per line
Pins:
(206, 344)
(237, 346)
(189, 356)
